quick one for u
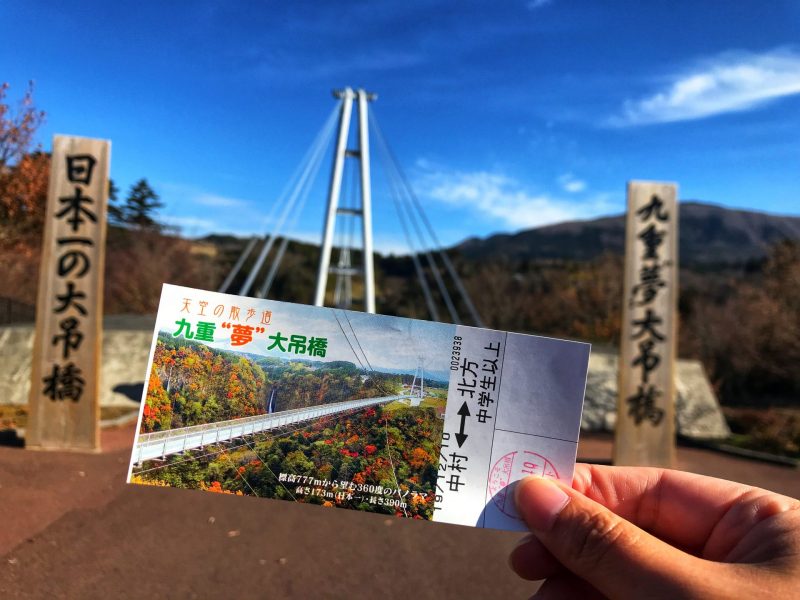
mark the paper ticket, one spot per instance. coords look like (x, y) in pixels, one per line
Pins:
(345, 409)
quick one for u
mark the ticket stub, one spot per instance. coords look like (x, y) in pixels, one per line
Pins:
(344, 409)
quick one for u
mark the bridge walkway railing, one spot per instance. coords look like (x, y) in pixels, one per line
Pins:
(161, 444)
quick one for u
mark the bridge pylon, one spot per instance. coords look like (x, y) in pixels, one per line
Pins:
(344, 270)
(419, 377)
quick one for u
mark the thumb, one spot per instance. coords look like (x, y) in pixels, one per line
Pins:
(613, 555)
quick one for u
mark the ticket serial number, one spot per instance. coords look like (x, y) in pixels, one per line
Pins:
(455, 359)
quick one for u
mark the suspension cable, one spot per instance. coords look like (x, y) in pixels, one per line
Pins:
(428, 255)
(318, 146)
(440, 284)
(348, 341)
(268, 219)
(373, 373)
(431, 231)
(355, 337)
(426, 291)
(239, 262)
(316, 162)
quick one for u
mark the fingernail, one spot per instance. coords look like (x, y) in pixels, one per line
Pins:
(539, 501)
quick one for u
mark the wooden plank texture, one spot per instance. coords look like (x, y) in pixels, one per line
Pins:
(645, 429)
(65, 370)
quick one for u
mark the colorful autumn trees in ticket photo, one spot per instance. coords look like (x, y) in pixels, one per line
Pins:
(381, 458)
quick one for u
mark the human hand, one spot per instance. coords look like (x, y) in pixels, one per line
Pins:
(637, 532)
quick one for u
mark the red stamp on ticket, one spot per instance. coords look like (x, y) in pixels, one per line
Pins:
(513, 467)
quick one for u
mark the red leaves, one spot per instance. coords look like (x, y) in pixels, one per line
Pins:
(419, 458)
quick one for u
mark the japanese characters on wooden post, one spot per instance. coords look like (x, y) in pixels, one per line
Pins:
(63, 402)
(645, 430)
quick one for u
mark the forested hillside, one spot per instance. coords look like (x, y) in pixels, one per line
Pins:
(380, 459)
(191, 384)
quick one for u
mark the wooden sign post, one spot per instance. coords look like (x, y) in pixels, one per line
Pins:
(645, 430)
(64, 406)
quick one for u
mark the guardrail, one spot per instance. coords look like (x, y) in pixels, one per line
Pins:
(172, 441)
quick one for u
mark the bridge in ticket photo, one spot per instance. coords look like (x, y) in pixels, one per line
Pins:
(161, 444)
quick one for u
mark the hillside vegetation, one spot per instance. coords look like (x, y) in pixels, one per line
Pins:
(739, 281)
(192, 384)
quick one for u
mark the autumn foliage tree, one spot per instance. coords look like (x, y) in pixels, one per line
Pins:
(23, 195)
(17, 128)
(139, 257)
(23, 169)
(24, 172)
(390, 455)
(191, 384)
(749, 336)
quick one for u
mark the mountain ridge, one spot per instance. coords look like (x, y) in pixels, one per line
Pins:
(709, 234)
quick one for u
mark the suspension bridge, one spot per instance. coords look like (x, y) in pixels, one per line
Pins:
(347, 223)
(161, 444)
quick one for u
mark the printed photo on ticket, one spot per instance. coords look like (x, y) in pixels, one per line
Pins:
(345, 409)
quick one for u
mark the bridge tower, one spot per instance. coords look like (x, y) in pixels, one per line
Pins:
(419, 376)
(344, 270)
(345, 208)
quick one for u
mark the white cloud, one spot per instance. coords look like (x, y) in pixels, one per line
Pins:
(726, 83)
(427, 164)
(223, 212)
(536, 4)
(200, 226)
(195, 195)
(570, 184)
(218, 201)
(504, 198)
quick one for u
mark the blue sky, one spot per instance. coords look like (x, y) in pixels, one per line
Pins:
(504, 115)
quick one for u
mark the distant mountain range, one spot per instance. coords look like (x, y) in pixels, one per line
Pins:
(709, 234)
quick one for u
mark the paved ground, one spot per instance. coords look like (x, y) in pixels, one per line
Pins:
(71, 528)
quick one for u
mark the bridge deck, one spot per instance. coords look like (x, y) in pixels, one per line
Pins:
(163, 443)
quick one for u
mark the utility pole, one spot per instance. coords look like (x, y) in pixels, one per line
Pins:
(343, 270)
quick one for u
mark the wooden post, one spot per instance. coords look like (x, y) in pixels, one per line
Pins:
(64, 404)
(645, 429)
